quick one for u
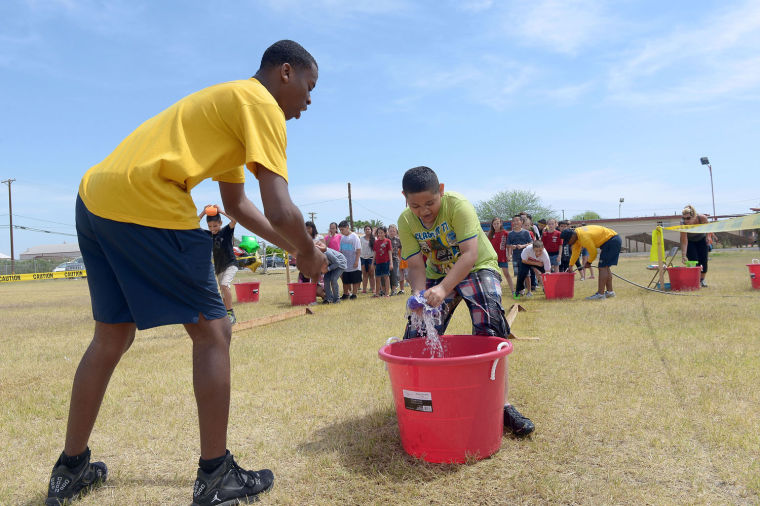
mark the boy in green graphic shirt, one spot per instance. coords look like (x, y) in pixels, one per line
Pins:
(461, 264)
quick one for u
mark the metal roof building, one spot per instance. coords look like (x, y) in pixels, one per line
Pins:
(65, 250)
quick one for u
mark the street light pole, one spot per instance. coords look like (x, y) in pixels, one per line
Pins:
(705, 161)
(620, 207)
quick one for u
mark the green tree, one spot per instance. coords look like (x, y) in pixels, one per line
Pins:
(506, 204)
(360, 224)
(586, 215)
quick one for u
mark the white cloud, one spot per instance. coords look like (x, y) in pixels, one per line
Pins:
(338, 8)
(562, 26)
(491, 81)
(716, 59)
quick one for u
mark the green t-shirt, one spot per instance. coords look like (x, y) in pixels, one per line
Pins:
(456, 222)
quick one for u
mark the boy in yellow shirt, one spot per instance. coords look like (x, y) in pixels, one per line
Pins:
(149, 264)
(592, 237)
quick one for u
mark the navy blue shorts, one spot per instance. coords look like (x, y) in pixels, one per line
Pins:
(367, 263)
(382, 269)
(149, 276)
(610, 251)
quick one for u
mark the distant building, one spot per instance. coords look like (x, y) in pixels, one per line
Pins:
(62, 251)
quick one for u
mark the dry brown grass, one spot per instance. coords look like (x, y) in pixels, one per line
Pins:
(644, 398)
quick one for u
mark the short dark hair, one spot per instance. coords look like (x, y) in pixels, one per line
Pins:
(420, 179)
(313, 228)
(215, 217)
(287, 51)
(342, 224)
(567, 234)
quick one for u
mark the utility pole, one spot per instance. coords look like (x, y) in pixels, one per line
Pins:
(311, 216)
(350, 209)
(10, 217)
(563, 215)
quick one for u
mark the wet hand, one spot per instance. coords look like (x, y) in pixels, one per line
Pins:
(435, 296)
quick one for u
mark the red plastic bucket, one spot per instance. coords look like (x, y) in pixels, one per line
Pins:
(302, 294)
(247, 292)
(754, 273)
(449, 409)
(684, 279)
(558, 285)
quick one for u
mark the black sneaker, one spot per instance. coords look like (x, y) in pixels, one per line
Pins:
(230, 484)
(518, 424)
(344, 296)
(353, 296)
(67, 484)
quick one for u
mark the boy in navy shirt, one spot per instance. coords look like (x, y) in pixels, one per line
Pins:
(225, 264)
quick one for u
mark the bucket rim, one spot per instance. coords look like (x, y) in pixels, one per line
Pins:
(386, 356)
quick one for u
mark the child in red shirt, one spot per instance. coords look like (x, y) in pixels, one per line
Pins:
(552, 243)
(498, 237)
(382, 263)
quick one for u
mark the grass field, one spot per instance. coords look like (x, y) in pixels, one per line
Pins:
(644, 398)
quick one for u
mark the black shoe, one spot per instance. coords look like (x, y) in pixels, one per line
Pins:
(230, 484)
(231, 316)
(325, 301)
(67, 484)
(344, 296)
(353, 296)
(518, 424)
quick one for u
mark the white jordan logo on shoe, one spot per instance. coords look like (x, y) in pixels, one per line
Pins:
(216, 497)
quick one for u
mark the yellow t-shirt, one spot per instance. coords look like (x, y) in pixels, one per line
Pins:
(590, 237)
(212, 133)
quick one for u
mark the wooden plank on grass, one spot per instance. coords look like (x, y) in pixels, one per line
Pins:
(266, 320)
(511, 315)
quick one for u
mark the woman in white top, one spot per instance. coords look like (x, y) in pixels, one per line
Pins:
(367, 256)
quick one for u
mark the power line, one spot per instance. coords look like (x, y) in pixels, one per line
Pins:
(40, 219)
(32, 229)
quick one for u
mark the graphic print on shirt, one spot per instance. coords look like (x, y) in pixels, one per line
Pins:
(440, 244)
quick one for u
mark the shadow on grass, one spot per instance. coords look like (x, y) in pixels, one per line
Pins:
(371, 446)
(129, 482)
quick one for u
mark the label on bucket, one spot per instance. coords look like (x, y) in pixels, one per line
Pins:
(418, 401)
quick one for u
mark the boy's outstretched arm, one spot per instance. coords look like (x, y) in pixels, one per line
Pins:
(281, 223)
(416, 273)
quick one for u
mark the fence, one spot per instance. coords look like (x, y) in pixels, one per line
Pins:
(31, 266)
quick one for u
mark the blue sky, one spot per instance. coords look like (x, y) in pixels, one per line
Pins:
(580, 101)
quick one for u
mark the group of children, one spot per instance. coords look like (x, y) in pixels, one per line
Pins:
(535, 249)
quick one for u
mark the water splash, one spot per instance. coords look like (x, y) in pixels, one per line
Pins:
(423, 319)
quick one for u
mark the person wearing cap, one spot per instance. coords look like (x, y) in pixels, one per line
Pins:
(592, 237)
(694, 246)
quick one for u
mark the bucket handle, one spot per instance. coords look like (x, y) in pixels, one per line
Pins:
(756, 260)
(389, 341)
(493, 368)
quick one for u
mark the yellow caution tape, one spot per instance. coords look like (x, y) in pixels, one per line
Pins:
(10, 278)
